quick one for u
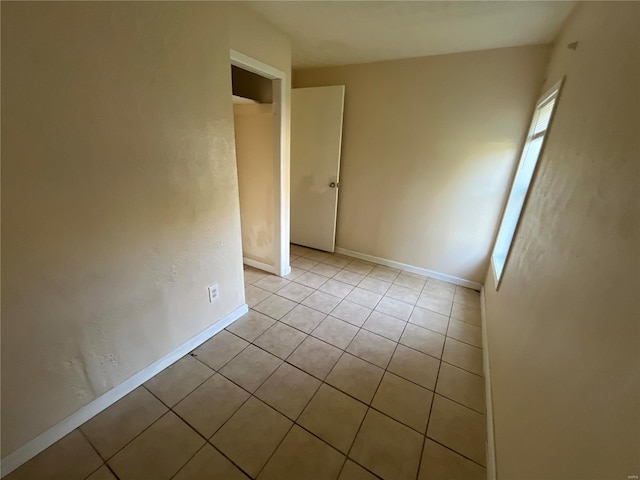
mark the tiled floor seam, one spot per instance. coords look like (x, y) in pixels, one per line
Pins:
(426, 430)
(455, 451)
(372, 398)
(104, 462)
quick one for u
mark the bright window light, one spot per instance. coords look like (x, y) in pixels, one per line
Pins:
(540, 123)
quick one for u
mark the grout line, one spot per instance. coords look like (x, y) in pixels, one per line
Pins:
(104, 462)
(424, 439)
(454, 451)
(322, 381)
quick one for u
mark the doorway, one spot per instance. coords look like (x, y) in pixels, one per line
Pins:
(260, 119)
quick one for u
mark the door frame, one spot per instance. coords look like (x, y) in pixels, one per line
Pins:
(281, 207)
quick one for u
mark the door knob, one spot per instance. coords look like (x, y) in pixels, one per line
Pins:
(334, 185)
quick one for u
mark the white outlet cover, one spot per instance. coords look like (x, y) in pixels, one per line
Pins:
(213, 292)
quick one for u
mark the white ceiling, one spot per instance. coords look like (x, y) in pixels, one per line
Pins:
(346, 32)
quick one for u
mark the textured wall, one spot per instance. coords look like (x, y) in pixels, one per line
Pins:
(120, 194)
(564, 328)
(254, 127)
(428, 151)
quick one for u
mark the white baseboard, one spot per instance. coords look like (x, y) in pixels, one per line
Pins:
(259, 265)
(73, 421)
(265, 267)
(486, 367)
(410, 268)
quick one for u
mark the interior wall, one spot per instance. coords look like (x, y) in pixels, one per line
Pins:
(563, 329)
(254, 135)
(120, 195)
(252, 36)
(429, 147)
(251, 85)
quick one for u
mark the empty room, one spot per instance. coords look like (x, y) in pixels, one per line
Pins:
(320, 240)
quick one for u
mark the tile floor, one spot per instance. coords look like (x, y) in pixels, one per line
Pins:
(343, 370)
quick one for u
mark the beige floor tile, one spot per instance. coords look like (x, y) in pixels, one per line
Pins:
(428, 319)
(462, 355)
(103, 473)
(252, 275)
(404, 294)
(402, 447)
(323, 302)
(176, 382)
(364, 297)
(280, 340)
(415, 366)
(395, 308)
(294, 273)
(423, 340)
(288, 390)
(303, 456)
(438, 288)
(467, 296)
(353, 471)
(338, 261)
(295, 292)
(311, 279)
(374, 285)
(315, 357)
(336, 332)
(440, 463)
(384, 273)
(372, 348)
(336, 288)
(211, 404)
(410, 281)
(334, 417)
(351, 312)
(116, 426)
(299, 250)
(465, 332)
(303, 318)
(251, 368)
(271, 283)
(465, 313)
(325, 270)
(459, 428)
(304, 263)
(158, 452)
(384, 325)
(349, 277)
(461, 386)
(219, 349)
(434, 303)
(317, 255)
(251, 325)
(404, 401)
(254, 295)
(275, 306)
(70, 458)
(360, 266)
(355, 377)
(209, 463)
(251, 435)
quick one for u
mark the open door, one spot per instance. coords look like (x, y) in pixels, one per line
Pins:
(316, 140)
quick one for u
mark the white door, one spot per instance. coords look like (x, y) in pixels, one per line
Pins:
(316, 138)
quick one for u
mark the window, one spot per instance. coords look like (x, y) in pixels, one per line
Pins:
(522, 180)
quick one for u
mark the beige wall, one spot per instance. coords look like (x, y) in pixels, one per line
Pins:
(120, 192)
(564, 329)
(428, 150)
(254, 134)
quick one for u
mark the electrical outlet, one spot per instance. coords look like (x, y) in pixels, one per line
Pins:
(213, 292)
